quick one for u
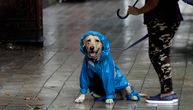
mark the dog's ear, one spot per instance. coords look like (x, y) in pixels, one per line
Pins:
(84, 46)
(84, 42)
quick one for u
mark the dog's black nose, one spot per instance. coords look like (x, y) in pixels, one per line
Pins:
(92, 48)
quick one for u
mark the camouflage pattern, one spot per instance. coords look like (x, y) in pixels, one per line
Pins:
(160, 36)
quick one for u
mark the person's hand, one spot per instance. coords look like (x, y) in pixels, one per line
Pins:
(133, 10)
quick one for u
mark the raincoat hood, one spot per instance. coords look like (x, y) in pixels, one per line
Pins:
(104, 40)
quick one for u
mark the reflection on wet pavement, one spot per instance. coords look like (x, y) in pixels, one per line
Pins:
(48, 77)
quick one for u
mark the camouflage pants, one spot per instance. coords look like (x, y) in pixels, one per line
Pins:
(160, 36)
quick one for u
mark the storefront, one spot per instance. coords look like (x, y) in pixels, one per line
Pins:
(21, 21)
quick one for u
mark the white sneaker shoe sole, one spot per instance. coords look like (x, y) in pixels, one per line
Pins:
(162, 102)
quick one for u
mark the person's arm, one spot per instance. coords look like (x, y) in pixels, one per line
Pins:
(151, 4)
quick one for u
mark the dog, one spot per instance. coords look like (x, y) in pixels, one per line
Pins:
(99, 74)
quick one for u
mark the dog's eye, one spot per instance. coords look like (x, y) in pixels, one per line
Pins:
(88, 40)
(97, 40)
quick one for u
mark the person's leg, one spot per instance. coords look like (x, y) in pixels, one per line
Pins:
(160, 36)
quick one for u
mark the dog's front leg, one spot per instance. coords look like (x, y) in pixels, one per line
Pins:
(80, 98)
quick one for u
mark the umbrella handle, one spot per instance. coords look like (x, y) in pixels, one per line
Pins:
(123, 17)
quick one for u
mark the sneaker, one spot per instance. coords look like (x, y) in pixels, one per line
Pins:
(162, 100)
(175, 98)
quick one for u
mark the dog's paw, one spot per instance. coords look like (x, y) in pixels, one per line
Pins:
(134, 98)
(80, 98)
(109, 101)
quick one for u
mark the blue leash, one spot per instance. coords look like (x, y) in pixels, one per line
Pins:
(135, 43)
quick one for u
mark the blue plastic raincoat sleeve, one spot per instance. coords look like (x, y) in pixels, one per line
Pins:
(84, 79)
(108, 78)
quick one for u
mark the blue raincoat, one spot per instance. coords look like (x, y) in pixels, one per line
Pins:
(105, 68)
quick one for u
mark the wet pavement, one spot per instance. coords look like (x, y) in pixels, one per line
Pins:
(47, 78)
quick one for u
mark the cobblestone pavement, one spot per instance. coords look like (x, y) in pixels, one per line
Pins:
(48, 78)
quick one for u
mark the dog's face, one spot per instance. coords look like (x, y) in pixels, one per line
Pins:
(93, 46)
